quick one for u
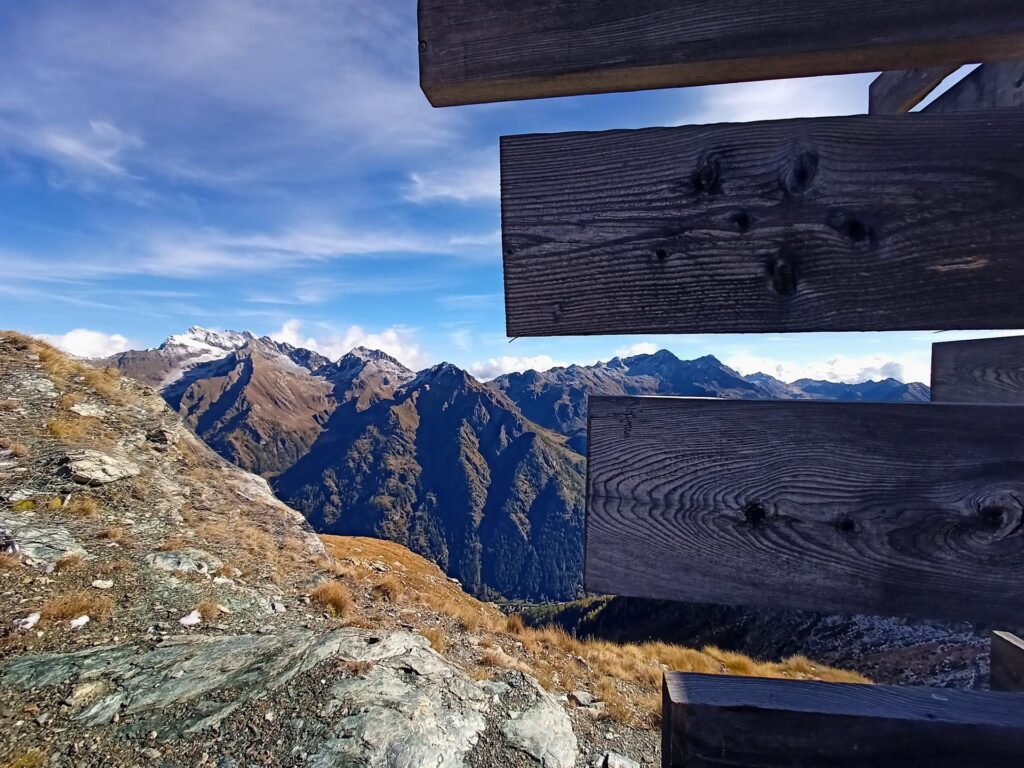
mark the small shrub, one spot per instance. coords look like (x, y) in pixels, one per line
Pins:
(25, 505)
(71, 605)
(334, 596)
(83, 506)
(389, 588)
(438, 639)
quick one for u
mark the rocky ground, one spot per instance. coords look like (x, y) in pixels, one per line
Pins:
(160, 606)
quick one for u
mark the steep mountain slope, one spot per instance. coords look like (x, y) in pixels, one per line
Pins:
(449, 467)
(255, 406)
(556, 399)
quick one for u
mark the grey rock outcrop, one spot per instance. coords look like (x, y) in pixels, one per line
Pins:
(90, 467)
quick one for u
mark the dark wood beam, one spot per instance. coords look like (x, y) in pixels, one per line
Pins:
(979, 371)
(999, 84)
(883, 509)
(1007, 670)
(831, 224)
(493, 50)
(901, 90)
(717, 721)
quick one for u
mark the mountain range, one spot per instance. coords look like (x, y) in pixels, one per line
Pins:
(484, 478)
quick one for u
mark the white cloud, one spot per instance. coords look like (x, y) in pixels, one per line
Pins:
(840, 368)
(781, 99)
(640, 348)
(398, 341)
(496, 366)
(85, 343)
(459, 182)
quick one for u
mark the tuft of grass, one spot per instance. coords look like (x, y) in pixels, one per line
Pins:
(83, 506)
(70, 429)
(114, 533)
(208, 610)
(31, 759)
(514, 624)
(334, 596)
(115, 566)
(106, 381)
(25, 505)
(8, 405)
(438, 639)
(68, 562)
(389, 588)
(356, 667)
(9, 562)
(68, 400)
(71, 605)
(20, 450)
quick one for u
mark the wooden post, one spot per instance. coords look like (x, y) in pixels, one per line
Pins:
(717, 721)
(1007, 670)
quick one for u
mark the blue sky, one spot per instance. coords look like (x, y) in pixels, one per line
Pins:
(273, 166)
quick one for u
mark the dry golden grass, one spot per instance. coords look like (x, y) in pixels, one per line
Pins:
(25, 505)
(82, 506)
(208, 610)
(334, 596)
(17, 449)
(8, 405)
(71, 429)
(438, 639)
(31, 759)
(115, 566)
(68, 562)
(68, 400)
(71, 605)
(114, 533)
(514, 624)
(630, 674)
(356, 667)
(106, 381)
(9, 562)
(173, 544)
(389, 588)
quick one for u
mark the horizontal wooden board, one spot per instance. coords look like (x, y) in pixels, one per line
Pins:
(1007, 668)
(713, 721)
(891, 509)
(475, 51)
(979, 371)
(901, 90)
(990, 86)
(829, 224)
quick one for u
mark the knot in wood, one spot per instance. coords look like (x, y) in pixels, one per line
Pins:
(801, 175)
(708, 177)
(782, 272)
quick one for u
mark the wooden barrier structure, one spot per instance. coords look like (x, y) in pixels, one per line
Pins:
(880, 222)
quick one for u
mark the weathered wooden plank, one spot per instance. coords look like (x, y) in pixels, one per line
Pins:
(855, 223)
(901, 90)
(979, 371)
(1007, 669)
(999, 84)
(716, 721)
(493, 50)
(893, 509)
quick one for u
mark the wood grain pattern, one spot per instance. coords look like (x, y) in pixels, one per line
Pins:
(1007, 669)
(714, 721)
(493, 50)
(901, 90)
(990, 86)
(979, 371)
(892, 509)
(856, 223)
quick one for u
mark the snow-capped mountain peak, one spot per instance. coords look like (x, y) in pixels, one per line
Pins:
(201, 340)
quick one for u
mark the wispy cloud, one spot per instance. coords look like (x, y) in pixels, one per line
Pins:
(496, 366)
(471, 182)
(398, 341)
(838, 368)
